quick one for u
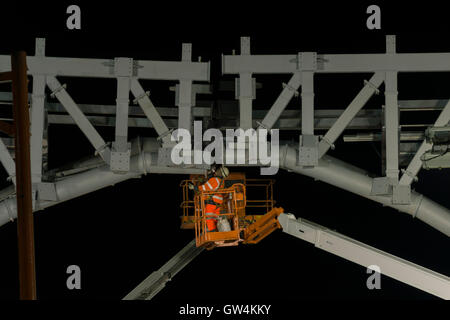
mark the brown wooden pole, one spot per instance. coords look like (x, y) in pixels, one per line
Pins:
(25, 228)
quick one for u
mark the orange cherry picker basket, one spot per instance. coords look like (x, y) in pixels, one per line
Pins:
(234, 200)
(248, 207)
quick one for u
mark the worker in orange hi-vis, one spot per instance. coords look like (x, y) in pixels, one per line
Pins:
(214, 202)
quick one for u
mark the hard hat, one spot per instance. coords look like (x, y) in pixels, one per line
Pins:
(224, 171)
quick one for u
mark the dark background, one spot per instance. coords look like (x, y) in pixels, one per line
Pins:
(119, 235)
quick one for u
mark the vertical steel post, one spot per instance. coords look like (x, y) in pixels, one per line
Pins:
(25, 229)
(245, 88)
(391, 114)
(185, 94)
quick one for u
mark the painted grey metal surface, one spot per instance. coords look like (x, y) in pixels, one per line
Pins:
(350, 112)
(339, 63)
(416, 163)
(329, 170)
(289, 90)
(80, 119)
(302, 66)
(7, 161)
(151, 155)
(104, 68)
(143, 161)
(355, 180)
(156, 281)
(37, 127)
(185, 93)
(143, 99)
(365, 255)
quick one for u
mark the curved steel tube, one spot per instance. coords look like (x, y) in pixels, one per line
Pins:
(329, 170)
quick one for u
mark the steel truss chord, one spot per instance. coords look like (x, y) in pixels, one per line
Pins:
(338, 63)
(103, 68)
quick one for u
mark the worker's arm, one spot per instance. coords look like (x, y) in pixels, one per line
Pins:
(193, 187)
(211, 185)
(201, 181)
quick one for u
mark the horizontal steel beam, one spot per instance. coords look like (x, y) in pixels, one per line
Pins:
(422, 105)
(282, 124)
(102, 121)
(110, 110)
(104, 68)
(367, 137)
(338, 63)
(405, 105)
(319, 123)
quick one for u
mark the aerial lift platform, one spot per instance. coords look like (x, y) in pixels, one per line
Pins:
(322, 238)
(252, 220)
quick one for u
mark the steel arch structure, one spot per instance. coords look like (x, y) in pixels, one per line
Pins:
(124, 158)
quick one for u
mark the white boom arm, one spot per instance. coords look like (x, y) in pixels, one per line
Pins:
(360, 253)
(156, 281)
